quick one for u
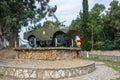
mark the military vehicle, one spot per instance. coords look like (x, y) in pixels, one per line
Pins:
(50, 35)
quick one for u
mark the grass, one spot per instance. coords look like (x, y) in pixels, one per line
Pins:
(114, 64)
(1, 75)
(118, 78)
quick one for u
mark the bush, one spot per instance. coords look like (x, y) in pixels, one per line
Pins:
(23, 46)
(117, 40)
(98, 45)
(108, 45)
(86, 46)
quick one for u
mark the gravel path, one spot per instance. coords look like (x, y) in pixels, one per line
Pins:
(102, 72)
(41, 64)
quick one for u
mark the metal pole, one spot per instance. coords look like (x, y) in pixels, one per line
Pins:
(72, 42)
(55, 42)
(15, 44)
(35, 42)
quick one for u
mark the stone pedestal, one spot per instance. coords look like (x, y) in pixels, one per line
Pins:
(46, 70)
(46, 64)
(51, 53)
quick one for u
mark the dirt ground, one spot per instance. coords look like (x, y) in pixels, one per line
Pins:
(7, 53)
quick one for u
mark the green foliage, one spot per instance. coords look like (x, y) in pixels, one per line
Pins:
(108, 31)
(95, 18)
(108, 45)
(76, 24)
(86, 44)
(1, 75)
(114, 64)
(118, 78)
(85, 13)
(85, 27)
(98, 45)
(97, 27)
(112, 22)
(51, 23)
(23, 46)
(96, 23)
(114, 14)
(112, 17)
(17, 13)
(117, 40)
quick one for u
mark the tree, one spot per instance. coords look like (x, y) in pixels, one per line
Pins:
(96, 23)
(15, 13)
(112, 23)
(85, 32)
(51, 24)
(76, 24)
(114, 14)
(98, 28)
(4, 20)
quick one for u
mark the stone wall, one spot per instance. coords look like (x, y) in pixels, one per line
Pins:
(106, 55)
(109, 53)
(17, 73)
(47, 53)
(39, 55)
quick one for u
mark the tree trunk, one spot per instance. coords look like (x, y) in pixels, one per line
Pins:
(115, 38)
(14, 40)
(92, 38)
(3, 42)
(0, 43)
(2, 39)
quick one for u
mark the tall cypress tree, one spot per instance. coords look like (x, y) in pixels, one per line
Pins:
(85, 32)
(85, 12)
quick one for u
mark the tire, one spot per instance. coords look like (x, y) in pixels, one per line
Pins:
(32, 41)
(42, 43)
(48, 43)
(59, 40)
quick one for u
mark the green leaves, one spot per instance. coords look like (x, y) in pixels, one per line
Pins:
(17, 13)
(114, 14)
(99, 27)
(85, 27)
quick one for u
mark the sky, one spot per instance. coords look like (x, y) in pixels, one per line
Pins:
(67, 10)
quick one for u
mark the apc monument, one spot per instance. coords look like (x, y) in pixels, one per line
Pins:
(54, 55)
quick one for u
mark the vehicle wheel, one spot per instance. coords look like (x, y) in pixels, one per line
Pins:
(59, 40)
(48, 43)
(42, 44)
(32, 41)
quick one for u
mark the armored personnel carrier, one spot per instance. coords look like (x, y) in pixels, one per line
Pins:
(51, 35)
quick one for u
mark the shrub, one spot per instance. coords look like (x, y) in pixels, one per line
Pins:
(108, 45)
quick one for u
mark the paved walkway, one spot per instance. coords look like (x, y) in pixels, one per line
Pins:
(42, 64)
(102, 72)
